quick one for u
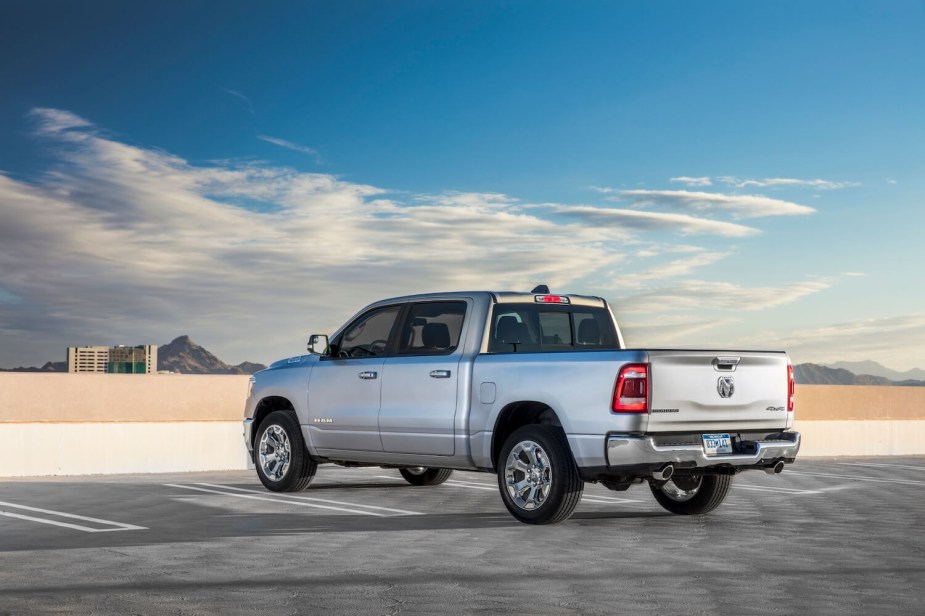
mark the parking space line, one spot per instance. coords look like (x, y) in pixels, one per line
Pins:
(875, 464)
(911, 482)
(118, 526)
(606, 500)
(776, 489)
(275, 500)
(320, 500)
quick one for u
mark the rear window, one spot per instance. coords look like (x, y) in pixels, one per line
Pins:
(532, 328)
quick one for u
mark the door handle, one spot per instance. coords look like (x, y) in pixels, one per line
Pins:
(440, 374)
(368, 375)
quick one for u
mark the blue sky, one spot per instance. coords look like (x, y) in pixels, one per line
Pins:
(727, 174)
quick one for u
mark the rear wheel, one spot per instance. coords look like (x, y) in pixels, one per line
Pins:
(423, 476)
(282, 462)
(537, 477)
(691, 494)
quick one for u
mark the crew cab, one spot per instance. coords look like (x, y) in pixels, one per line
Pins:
(537, 388)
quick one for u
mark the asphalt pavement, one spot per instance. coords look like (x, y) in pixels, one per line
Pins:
(835, 536)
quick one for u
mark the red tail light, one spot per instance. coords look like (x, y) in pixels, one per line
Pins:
(791, 388)
(631, 395)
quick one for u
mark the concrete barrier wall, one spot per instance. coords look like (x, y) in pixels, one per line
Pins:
(72, 424)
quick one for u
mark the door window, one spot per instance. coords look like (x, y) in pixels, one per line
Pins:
(432, 328)
(368, 336)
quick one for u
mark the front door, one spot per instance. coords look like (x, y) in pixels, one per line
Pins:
(345, 387)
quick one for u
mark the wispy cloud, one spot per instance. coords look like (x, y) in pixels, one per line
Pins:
(656, 221)
(785, 182)
(289, 145)
(703, 294)
(896, 342)
(701, 181)
(730, 180)
(247, 102)
(738, 206)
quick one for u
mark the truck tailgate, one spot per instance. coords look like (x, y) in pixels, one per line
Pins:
(707, 391)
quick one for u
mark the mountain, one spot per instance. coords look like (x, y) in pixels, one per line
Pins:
(875, 369)
(814, 374)
(186, 357)
(51, 366)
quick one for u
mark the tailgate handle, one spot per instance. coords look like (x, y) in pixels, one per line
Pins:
(725, 364)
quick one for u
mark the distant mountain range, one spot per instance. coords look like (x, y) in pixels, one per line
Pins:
(874, 369)
(815, 374)
(181, 355)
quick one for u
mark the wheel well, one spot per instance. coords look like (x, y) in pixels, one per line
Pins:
(517, 415)
(267, 406)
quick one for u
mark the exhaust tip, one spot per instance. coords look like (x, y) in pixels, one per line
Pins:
(663, 474)
(776, 469)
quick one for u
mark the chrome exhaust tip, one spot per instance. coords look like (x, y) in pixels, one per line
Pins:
(663, 474)
(777, 469)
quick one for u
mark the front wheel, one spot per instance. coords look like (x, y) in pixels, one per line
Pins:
(691, 494)
(423, 476)
(537, 477)
(280, 456)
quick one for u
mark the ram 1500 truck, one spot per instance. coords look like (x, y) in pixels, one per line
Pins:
(534, 387)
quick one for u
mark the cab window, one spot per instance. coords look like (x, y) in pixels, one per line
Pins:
(531, 328)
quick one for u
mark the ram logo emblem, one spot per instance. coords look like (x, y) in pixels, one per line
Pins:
(725, 386)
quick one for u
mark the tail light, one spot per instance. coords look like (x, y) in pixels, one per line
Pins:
(631, 395)
(791, 388)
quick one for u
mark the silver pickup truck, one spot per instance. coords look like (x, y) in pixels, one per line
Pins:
(536, 388)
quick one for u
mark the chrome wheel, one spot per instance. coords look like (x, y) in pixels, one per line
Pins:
(682, 489)
(274, 453)
(416, 470)
(528, 475)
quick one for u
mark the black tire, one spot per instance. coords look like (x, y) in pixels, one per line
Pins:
(297, 474)
(691, 495)
(421, 476)
(552, 468)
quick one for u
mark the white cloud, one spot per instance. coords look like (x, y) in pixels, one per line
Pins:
(895, 342)
(289, 145)
(786, 182)
(656, 221)
(738, 206)
(670, 269)
(689, 181)
(702, 294)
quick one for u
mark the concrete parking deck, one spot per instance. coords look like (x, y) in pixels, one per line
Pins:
(836, 537)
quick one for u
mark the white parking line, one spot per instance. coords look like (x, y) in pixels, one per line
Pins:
(776, 489)
(606, 500)
(320, 500)
(118, 525)
(910, 482)
(908, 466)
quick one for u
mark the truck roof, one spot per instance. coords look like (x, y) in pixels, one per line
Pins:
(500, 297)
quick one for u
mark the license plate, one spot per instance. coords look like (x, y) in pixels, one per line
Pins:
(715, 444)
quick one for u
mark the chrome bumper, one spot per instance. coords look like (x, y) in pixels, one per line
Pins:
(249, 433)
(624, 450)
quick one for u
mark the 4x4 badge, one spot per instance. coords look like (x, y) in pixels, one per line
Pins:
(725, 386)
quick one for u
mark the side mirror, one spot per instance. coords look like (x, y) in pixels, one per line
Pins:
(318, 344)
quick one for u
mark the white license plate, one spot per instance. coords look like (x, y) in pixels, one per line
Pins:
(715, 444)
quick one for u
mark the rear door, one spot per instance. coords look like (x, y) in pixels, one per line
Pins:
(703, 391)
(420, 387)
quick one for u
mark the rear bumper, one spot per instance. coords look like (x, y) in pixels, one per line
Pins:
(624, 451)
